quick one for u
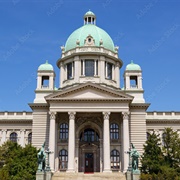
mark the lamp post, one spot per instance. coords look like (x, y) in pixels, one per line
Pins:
(48, 152)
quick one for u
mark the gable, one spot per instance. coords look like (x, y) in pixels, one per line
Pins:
(89, 91)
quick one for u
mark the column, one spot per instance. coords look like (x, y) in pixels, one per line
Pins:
(71, 142)
(116, 78)
(52, 139)
(22, 137)
(95, 68)
(62, 78)
(106, 143)
(4, 131)
(125, 140)
(83, 67)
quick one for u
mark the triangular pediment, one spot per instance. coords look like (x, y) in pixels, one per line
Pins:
(89, 91)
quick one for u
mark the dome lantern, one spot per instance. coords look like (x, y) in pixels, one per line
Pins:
(89, 18)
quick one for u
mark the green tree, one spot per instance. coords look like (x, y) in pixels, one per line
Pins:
(171, 148)
(152, 157)
(17, 163)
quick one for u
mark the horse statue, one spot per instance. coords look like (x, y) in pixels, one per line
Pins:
(41, 158)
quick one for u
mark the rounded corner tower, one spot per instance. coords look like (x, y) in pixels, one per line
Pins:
(89, 55)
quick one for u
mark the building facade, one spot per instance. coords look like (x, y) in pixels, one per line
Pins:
(89, 121)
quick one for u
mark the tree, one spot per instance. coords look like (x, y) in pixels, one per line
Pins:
(152, 157)
(171, 148)
(17, 162)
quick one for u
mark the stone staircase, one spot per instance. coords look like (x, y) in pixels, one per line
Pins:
(91, 176)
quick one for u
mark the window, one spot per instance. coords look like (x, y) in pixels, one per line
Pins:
(89, 67)
(45, 82)
(63, 158)
(114, 131)
(109, 70)
(70, 70)
(29, 138)
(13, 137)
(133, 81)
(63, 131)
(115, 159)
(147, 135)
(89, 135)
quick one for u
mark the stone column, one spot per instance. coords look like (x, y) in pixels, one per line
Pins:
(117, 78)
(52, 139)
(106, 143)
(71, 142)
(22, 137)
(62, 78)
(4, 131)
(125, 140)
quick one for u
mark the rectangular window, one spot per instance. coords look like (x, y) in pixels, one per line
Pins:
(109, 70)
(89, 67)
(69, 70)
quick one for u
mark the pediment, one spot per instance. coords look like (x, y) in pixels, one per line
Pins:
(89, 91)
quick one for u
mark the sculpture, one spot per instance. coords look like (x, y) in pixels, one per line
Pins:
(135, 158)
(41, 158)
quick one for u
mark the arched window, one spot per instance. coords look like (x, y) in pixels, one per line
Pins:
(63, 131)
(29, 138)
(89, 135)
(13, 137)
(114, 131)
(115, 159)
(63, 159)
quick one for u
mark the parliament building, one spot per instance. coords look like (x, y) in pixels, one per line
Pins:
(88, 122)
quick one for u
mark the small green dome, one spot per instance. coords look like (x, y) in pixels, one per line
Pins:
(46, 67)
(89, 13)
(83, 32)
(133, 67)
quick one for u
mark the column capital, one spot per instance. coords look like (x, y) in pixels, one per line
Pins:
(126, 115)
(117, 64)
(72, 115)
(52, 114)
(106, 115)
(62, 64)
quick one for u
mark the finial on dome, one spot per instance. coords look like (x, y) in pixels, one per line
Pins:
(47, 62)
(89, 18)
(132, 62)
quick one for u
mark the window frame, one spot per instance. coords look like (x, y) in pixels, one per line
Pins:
(63, 159)
(14, 137)
(115, 159)
(114, 131)
(64, 131)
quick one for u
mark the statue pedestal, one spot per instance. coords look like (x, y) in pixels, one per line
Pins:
(136, 175)
(40, 175)
(48, 175)
(128, 175)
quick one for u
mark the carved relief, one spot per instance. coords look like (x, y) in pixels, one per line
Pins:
(125, 115)
(89, 41)
(106, 115)
(71, 115)
(52, 115)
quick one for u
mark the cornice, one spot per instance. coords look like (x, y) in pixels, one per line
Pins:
(139, 105)
(38, 105)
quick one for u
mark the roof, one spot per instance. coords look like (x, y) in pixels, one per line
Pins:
(46, 67)
(133, 67)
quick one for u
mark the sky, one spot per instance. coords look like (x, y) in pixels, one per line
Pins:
(146, 31)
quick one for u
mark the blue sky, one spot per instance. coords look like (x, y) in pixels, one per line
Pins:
(147, 32)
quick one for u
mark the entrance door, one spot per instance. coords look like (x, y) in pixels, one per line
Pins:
(89, 162)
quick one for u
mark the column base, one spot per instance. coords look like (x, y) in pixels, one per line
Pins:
(70, 171)
(107, 171)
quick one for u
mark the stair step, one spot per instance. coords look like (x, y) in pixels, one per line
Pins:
(90, 176)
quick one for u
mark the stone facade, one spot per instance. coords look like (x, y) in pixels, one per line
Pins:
(89, 121)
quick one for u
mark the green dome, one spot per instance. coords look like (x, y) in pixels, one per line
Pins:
(46, 67)
(89, 13)
(83, 32)
(133, 67)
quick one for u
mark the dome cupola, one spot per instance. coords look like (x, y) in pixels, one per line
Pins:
(133, 67)
(46, 67)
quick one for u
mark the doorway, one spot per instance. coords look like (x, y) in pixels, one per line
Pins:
(89, 167)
